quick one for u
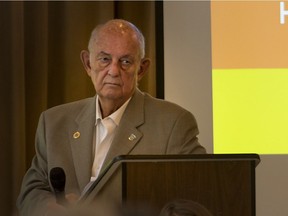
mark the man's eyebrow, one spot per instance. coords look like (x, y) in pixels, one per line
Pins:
(128, 56)
(103, 53)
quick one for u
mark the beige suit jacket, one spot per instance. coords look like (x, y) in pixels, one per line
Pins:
(157, 127)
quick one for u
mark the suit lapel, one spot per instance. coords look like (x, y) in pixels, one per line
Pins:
(81, 136)
(127, 135)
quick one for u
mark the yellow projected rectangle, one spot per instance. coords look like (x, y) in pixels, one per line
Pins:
(250, 76)
(250, 109)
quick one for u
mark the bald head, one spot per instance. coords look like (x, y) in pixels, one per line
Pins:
(118, 27)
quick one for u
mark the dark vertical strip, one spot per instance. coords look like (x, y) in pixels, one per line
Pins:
(56, 51)
(116, 9)
(253, 188)
(159, 37)
(6, 114)
(124, 182)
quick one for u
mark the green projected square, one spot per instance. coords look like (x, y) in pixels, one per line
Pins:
(250, 111)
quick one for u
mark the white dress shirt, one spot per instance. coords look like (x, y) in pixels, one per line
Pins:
(104, 134)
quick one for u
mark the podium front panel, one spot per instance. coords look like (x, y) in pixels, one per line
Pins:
(224, 185)
(224, 188)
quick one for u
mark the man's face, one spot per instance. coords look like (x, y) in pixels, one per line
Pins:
(115, 63)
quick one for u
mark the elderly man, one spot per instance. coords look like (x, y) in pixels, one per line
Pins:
(83, 136)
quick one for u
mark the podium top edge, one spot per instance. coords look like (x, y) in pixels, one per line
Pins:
(190, 157)
(117, 161)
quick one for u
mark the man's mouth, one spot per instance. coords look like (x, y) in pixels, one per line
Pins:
(113, 84)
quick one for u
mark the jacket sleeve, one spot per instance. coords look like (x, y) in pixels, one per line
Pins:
(183, 138)
(35, 190)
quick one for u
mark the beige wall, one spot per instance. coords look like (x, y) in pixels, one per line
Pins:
(188, 62)
(188, 83)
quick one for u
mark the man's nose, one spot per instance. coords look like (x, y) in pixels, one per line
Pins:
(114, 69)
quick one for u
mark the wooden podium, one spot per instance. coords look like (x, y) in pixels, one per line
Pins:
(223, 183)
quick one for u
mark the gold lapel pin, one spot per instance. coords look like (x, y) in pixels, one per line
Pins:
(132, 137)
(76, 135)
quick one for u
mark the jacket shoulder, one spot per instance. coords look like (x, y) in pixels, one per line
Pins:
(161, 104)
(75, 108)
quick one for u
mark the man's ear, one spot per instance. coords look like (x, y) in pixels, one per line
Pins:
(85, 58)
(144, 65)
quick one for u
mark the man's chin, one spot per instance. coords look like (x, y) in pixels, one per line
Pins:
(114, 95)
(111, 95)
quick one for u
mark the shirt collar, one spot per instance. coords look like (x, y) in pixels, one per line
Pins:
(115, 116)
